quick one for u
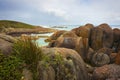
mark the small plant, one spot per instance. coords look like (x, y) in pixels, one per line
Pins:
(10, 68)
(28, 51)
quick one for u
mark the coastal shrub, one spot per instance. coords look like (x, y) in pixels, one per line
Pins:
(28, 51)
(10, 68)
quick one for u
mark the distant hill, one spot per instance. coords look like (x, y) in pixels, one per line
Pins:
(14, 24)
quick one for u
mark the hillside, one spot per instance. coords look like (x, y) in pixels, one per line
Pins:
(14, 24)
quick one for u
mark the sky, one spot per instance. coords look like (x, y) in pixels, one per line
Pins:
(61, 12)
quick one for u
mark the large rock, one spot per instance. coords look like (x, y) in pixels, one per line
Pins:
(64, 40)
(82, 47)
(83, 31)
(96, 38)
(108, 35)
(90, 54)
(116, 44)
(77, 43)
(6, 43)
(100, 59)
(55, 36)
(116, 33)
(65, 64)
(107, 72)
(117, 58)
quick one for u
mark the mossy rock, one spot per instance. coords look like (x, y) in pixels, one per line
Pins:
(66, 63)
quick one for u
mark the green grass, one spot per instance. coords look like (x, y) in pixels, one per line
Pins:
(28, 51)
(14, 24)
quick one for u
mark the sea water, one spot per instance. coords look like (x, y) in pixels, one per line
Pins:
(41, 41)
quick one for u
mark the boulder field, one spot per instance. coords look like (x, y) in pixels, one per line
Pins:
(99, 47)
(85, 53)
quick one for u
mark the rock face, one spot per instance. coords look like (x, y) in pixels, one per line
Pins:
(116, 43)
(107, 72)
(108, 35)
(6, 43)
(83, 31)
(68, 65)
(96, 38)
(100, 59)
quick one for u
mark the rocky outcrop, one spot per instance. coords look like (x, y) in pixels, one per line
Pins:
(62, 64)
(107, 36)
(116, 43)
(6, 43)
(96, 38)
(107, 72)
(83, 31)
(100, 59)
(55, 36)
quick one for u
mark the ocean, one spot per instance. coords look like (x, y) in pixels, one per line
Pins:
(41, 41)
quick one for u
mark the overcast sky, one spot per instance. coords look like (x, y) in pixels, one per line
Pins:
(61, 12)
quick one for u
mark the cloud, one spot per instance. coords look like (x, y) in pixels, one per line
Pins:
(68, 11)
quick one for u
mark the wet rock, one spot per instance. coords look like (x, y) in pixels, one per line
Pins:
(108, 35)
(107, 72)
(96, 38)
(70, 67)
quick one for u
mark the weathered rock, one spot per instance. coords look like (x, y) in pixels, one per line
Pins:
(117, 59)
(96, 38)
(77, 43)
(82, 47)
(108, 35)
(6, 44)
(116, 43)
(27, 75)
(45, 73)
(89, 26)
(116, 33)
(83, 31)
(70, 67)
(66, 42)
(107, 51)
(90, 55)
(69, 34)
(107, 72)
(67, 39)
(112, 57)
(100, 59)
(55, 36)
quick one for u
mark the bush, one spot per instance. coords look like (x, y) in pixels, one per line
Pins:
(10, 68)
(28, 51)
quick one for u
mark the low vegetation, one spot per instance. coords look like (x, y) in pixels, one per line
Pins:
(10, 67)
(14, 24)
